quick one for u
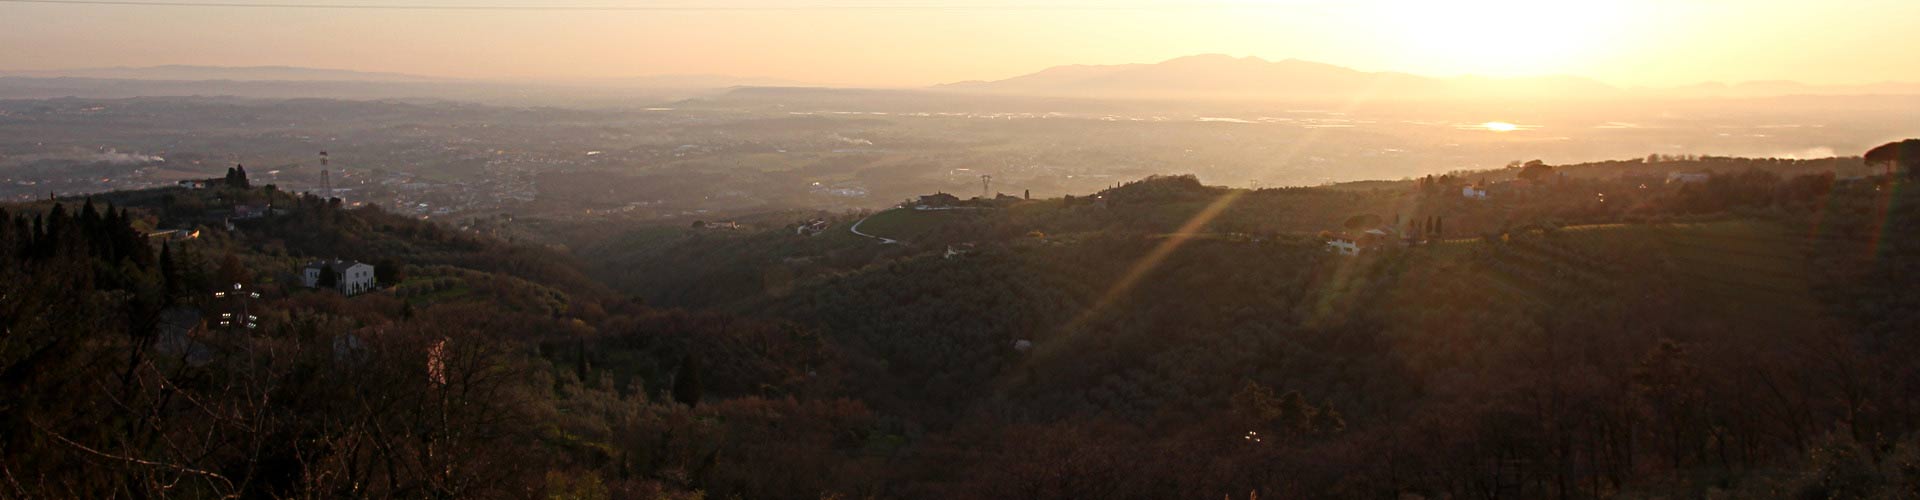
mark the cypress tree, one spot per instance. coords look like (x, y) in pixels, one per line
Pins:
(686, 384)
(169, 274)
(36, 238)
(89, 218)
(57, 229)
(327, 278)
(7, 234)
(580, 358)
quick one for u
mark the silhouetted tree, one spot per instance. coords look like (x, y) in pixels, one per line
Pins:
(1363, 221)
(686, 384)
(387, 272)
(237, 177)
(327, 279)
(1536, 171)
(1896, 155)
(169, 273)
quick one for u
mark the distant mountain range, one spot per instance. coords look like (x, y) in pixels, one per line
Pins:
(227, 73)
(1227, 77)
(283, 82)
(187, 73)
(1198, 77)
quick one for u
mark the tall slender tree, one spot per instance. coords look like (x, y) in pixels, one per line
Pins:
(686, 384)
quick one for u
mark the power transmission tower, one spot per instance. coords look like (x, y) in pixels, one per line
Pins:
(326, 184)
(986, 187)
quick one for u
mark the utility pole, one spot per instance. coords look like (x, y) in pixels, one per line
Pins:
(986, 187)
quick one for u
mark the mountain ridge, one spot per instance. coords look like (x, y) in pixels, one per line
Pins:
(1225, 76)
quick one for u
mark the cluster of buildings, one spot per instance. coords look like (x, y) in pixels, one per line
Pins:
(1496, 189)
(1353, 244)
(944, 201)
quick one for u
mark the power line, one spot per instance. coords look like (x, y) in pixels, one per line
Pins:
(663, 8)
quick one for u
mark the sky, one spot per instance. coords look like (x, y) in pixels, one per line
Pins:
(925, 42)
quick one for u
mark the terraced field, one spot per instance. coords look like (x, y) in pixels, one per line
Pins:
(1754, 268)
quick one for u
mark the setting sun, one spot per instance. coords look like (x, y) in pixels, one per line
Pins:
(1500, 126)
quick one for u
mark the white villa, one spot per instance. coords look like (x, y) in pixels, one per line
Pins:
(1343, 245)
(351, 278)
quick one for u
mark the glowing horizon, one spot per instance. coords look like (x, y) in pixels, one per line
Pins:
(873, 43)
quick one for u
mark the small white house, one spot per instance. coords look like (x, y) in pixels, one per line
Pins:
(1343, 246)
(350, 277)
(1474, 192)
(1688, 177)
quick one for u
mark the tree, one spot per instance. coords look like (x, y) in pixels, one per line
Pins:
(232, 272)
(1896, 155)
(1363, 221)
(327, 279)
(686, 384)
(1536, 171)
(387, 272)
(237, 177)
(169, 272)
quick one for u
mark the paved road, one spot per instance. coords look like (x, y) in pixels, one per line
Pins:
(883, 240)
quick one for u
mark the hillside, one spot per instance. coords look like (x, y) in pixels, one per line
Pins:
(1162, 338)
(1541, 319)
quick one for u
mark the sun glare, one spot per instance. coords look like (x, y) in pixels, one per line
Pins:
(1508, 37)
(1500, 126)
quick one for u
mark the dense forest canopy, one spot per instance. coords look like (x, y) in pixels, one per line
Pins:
(1584, 331)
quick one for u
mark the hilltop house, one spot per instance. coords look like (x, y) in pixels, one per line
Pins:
(938, 200)
(960, 250)
(251, 211)
(349, 277)
(811, 227)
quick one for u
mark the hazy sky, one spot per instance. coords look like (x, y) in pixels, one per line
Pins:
(920, 42)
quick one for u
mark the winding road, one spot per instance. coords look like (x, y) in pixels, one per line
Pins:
(883, 240)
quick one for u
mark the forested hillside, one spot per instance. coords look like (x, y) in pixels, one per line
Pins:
(1744, 335)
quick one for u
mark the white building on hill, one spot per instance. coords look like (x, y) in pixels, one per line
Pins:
(350, 277)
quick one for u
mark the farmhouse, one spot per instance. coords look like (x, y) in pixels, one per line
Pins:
(811, 227)
(939, 199)
(251, 211)
(349, 277)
